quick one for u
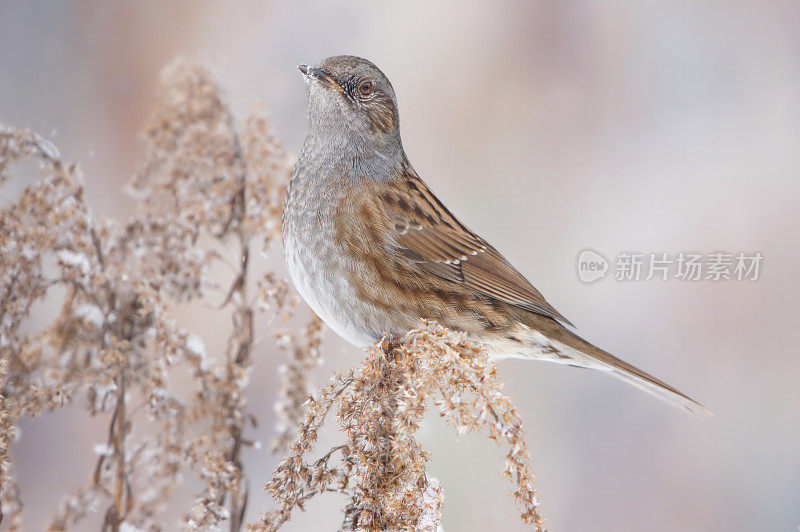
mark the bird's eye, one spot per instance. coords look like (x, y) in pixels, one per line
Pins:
(365, 88)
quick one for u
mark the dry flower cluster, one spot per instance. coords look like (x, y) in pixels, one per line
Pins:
(209, 197)
(380, 408)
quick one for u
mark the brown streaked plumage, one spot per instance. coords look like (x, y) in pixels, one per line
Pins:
(373, 250)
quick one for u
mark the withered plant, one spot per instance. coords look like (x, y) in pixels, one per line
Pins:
(209, 197)
(380, 406)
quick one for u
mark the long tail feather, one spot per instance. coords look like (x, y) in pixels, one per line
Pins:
(585, 354)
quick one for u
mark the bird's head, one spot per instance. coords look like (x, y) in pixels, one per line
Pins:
(352, 100)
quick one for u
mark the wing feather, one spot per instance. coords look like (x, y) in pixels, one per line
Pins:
(428, 235)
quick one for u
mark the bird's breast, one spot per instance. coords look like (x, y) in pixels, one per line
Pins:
(317, 264)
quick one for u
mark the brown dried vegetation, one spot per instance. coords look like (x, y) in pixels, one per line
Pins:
(209, 196)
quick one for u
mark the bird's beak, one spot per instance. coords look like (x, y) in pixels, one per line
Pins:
(319, 74)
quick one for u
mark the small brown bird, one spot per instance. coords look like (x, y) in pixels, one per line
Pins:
(372, 250)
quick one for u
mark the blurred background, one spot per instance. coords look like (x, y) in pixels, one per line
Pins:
(548, 127)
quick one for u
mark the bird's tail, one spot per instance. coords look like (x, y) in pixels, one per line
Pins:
(582, 353)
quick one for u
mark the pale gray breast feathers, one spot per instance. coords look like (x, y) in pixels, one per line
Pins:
(317, 265)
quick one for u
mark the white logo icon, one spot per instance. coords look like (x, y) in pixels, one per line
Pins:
(592, 266)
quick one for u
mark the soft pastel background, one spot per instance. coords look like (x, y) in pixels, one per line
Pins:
(548, 127)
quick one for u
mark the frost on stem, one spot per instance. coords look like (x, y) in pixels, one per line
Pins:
(381, 466)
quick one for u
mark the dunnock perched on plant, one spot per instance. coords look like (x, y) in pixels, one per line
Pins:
(372, 250)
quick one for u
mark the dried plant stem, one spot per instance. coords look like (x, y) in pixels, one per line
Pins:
(242, 337)
(118, 512)
(238, 363)
(122, 499)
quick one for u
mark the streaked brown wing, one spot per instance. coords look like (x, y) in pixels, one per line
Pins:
(429, 236)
